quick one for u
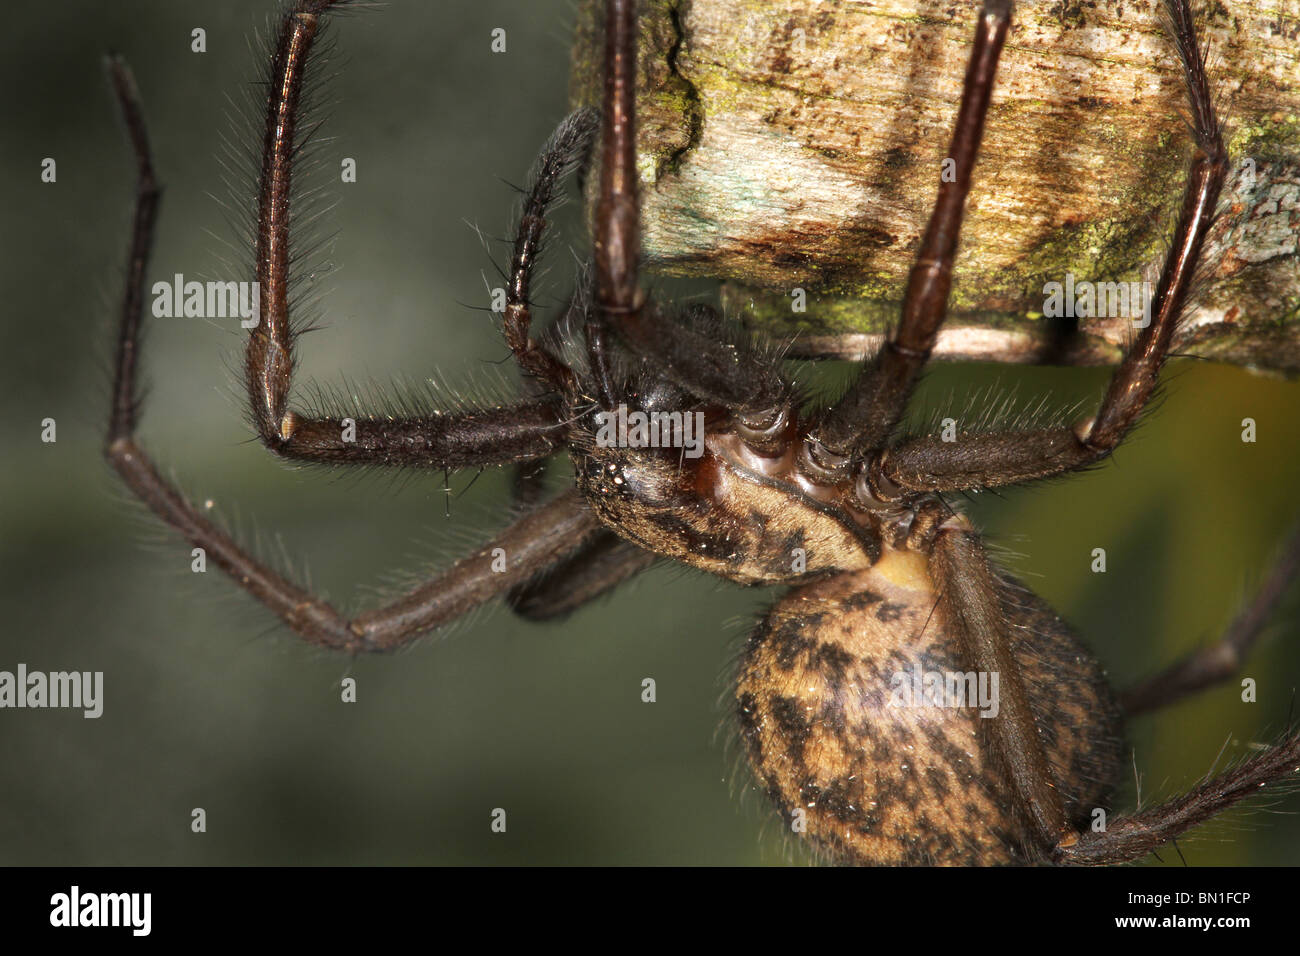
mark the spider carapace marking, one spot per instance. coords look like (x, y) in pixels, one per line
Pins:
(733, 512)
(889, 585)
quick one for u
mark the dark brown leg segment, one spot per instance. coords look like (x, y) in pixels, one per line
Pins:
(709, 368)
(604, 562)
(147, 193)
(986, 461)
(971, 605)
(618, 239)
(542, 537)
(455, 440)
(969, 597)
(1133, 837)
(568, 146)
(1220, 661)
(868, 412)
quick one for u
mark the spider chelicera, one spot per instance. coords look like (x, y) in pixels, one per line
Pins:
(887, 579)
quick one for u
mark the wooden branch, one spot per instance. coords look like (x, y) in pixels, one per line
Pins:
(796, 144)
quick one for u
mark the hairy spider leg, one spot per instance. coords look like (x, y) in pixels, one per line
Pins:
(1219, 661)
(871, 408)
(958, 561)
(544, 536)
(1002, 458)
(721, 372)
(519, 432)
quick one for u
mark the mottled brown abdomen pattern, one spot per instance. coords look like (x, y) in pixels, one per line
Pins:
(876, 782)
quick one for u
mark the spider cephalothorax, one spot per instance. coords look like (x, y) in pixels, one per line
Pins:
(732, 511)
(904, 702)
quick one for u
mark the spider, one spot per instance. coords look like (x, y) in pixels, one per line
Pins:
(886, 578)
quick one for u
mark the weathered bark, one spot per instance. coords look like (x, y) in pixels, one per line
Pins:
(797, 144)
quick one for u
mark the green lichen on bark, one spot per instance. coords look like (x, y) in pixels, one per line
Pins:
(791, 144)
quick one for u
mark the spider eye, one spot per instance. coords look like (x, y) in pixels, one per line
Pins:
(605, 476)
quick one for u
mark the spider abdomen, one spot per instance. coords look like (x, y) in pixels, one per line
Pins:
(866, 730)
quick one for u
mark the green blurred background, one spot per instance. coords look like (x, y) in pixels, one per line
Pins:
(209, 704)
